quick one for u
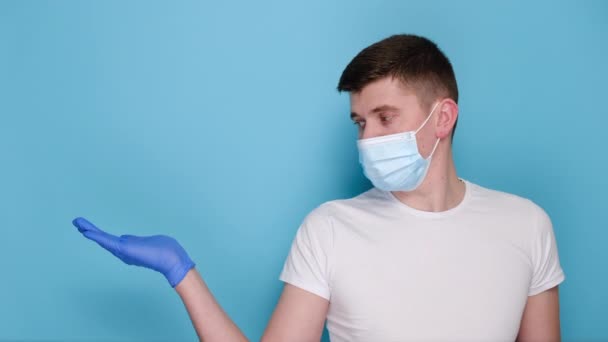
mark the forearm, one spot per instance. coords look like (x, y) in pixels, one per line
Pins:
(208, 318)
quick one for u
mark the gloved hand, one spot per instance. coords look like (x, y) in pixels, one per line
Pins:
(158, 252)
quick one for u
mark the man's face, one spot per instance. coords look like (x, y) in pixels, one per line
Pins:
(386, 106)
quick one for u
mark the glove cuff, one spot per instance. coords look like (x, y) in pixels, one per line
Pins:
(178, 273)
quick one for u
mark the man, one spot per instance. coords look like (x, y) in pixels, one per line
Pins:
(422, 256)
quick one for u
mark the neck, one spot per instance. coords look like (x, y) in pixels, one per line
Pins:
(441, 189)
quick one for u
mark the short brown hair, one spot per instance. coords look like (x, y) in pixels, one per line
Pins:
(416, 61)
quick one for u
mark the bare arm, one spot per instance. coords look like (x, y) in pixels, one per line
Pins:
(208, 318)
(540, 321)
(299, 315)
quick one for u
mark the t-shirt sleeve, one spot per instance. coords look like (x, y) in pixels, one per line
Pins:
(547, 271)
(308, 263)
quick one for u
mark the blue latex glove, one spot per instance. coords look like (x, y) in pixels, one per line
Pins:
(158, 252)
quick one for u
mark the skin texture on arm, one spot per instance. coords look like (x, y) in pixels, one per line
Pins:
(540, 321)
(298, 317)
(208, 318)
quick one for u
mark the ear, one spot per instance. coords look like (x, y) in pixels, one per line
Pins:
(446, 118)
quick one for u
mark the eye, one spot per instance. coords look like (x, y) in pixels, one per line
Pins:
(359, 123)
(386, 118)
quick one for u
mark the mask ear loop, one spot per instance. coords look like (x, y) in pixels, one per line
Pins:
(427, 118)
(424, 123)
(434, 148)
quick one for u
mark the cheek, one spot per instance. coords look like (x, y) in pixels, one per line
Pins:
(375, 128)
(425, 144)
(397, 126)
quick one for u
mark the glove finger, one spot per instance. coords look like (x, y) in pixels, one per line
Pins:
(84, 225)
(105, 240)
(128, 237)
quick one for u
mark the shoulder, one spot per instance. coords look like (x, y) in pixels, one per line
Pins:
(526, 222)
(370, 198)
(505, 202)
(328, 212)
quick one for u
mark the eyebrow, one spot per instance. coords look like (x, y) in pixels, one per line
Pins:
(379, 109)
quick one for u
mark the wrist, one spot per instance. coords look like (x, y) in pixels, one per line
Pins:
(190, 284)
(179, 272)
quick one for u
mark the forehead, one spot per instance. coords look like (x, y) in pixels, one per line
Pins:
(386, 91)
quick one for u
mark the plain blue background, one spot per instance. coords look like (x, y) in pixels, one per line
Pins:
(218, 123)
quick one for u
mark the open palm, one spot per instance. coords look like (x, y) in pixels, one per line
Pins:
(161, 253)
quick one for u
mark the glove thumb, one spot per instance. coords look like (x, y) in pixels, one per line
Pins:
(105, 240)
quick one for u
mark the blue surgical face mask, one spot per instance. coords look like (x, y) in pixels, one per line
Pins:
(393, 162)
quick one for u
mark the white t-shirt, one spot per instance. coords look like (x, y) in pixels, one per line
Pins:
(394, 273)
